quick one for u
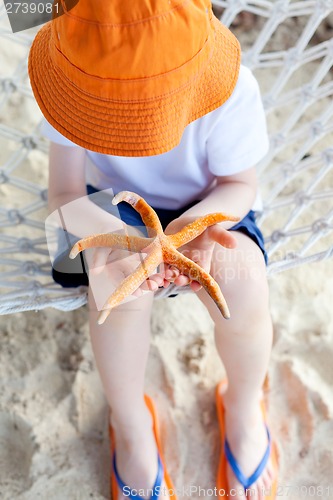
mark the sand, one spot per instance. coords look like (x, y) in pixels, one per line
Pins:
(53, 414)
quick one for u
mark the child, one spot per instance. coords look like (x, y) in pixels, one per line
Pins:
(149, 96)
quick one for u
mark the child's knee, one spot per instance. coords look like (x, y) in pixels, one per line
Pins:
(243, 278)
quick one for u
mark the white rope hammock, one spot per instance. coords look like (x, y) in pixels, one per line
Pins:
(286, 47)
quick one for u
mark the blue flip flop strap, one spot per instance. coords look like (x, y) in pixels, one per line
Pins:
(247, 481)
(157, 484)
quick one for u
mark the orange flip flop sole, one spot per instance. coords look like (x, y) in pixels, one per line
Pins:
(221, 479)
(167, 479)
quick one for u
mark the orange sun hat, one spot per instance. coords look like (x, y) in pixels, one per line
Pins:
(125, 77)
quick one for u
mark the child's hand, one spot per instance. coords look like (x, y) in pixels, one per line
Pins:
(200, 250)
(116, 264)
(108, 267)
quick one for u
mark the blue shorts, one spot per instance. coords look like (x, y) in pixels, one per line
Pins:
(71, 273)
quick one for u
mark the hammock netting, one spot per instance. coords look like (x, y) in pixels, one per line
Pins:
(288, 46)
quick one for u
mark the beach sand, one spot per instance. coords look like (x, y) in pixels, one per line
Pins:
(53, 414)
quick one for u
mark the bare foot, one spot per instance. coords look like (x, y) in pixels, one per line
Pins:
(247, 438)
(136, 459)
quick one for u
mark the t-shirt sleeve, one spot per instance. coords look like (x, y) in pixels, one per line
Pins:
(238, 138)
(51, 133)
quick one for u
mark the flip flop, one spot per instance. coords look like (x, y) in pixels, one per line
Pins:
(117, 482)
(226, 455)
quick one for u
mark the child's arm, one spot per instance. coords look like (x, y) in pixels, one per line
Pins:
(83, 218)
(232, 194)
(66, 184)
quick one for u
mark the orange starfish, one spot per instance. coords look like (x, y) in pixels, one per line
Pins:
(159, 248)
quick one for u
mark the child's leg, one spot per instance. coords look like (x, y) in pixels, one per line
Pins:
(121, 347)
(244, 344)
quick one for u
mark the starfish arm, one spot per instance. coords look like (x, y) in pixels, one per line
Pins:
(197, 227)
(148, 215)
(132, 243)
(131, 283)
(197, 273)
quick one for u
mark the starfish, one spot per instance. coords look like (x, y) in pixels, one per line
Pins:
(159, 248)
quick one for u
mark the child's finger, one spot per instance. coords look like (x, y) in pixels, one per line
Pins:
(99, 260)
(149, 284)
(182, 280)
(172, 273)
(195, 285)
(158, 278)
(223, 237)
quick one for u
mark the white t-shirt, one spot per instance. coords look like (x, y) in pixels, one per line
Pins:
(226, 141)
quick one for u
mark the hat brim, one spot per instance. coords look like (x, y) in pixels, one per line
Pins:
(131, 128)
